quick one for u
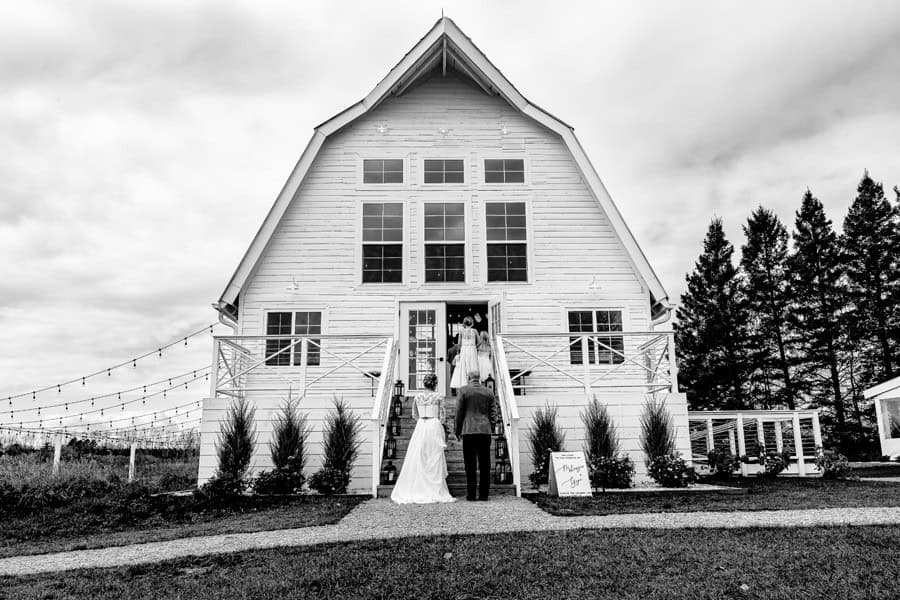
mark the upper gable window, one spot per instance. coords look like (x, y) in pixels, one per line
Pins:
(504, 170)
(389, 170)
(444, 171)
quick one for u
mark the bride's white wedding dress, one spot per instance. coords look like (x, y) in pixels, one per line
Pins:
(423, 476)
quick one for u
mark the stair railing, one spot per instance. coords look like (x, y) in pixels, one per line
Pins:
(381, 409)
(508, 408)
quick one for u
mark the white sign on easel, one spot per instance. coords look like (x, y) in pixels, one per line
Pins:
(569, 474)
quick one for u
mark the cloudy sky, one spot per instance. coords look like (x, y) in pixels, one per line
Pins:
(142, 143)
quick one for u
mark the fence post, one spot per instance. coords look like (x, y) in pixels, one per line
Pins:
(779, 437)
(57, 454)
(798, 446)
(742, 446)
(761, 434)
(131, 462)
(673, 364)
(214, 369)
(710, 436)
(585, 360)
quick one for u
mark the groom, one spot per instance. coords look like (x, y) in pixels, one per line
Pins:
(474, 416)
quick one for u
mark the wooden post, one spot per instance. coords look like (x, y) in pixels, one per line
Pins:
(304, 358)
(742, 448)
(779, 437)
(798, 445)
(761, 433)
(732, 445)
(585, 361)
(673, 364)
(131, 462)
(214, 369)
(817, 429)
(710, 437)
(57, 454)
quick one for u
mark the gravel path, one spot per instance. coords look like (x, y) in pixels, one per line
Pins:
(380, 519)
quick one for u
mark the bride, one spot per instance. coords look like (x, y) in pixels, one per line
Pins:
(422, 478)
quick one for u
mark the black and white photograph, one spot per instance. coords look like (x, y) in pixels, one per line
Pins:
(449, 300)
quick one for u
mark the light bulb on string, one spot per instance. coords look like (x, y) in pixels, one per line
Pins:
(185, 341)
(143, 401)
(82, 381)
(58, 389)
(109, 372)
(33, 396)
(160, 352)
(92, 401)
(134, 363)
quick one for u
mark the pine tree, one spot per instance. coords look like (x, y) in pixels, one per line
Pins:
(871, 258)
(767, 293)
(712, 328)
(819, 296)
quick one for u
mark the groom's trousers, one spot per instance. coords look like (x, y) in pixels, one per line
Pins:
(477, 449)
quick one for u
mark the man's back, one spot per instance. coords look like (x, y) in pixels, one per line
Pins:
(474, 410)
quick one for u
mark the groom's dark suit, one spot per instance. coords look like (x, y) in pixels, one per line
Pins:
(474, 416)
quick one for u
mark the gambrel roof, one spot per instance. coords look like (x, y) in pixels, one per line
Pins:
(444, 46)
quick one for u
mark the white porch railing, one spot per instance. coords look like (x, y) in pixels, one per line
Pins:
(381, 409)
(591, 361)
(296, 363)
(508, 408)
(751, 433)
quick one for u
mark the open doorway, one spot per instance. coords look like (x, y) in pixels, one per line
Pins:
(456, 312)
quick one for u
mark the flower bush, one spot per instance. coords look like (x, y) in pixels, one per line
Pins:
(832, 464)
(774, 463)
(722, 464)
(329, 481)
(671, 470)
(611, 472)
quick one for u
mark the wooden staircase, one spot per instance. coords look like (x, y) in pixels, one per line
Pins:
(456, 471)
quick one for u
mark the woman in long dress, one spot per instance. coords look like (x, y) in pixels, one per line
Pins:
(485, 368)
(423, 476)
(467, 359)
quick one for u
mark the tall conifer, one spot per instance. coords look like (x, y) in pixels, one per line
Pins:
(712, 328)
(871, 257)
(764, 262)
(819, 296)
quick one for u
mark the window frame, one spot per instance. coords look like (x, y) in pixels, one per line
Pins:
(594, 349)
(529, 239)
(467, 172)
(361, 243)
(526, 165)
(323, 322)
(466, 243)
(361, 173)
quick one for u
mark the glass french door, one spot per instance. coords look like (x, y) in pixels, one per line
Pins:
(423, 344)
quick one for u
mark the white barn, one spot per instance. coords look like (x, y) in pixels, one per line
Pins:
(444, 192)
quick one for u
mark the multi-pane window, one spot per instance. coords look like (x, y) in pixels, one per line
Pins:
(444, 171)
(507, 250)
(282, 352)
(445, 242)
(382, 260)
(383, 170)
(602, 349)
(504, 170)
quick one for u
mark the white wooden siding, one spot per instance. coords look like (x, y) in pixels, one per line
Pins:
(317, 243)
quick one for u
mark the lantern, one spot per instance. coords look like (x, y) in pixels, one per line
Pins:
(501, 447)
(390, 448)
(507, 473)
(498, 473)
(394, 425)
(397, 406)
(398, 388)
(497, 426)
(389, 474)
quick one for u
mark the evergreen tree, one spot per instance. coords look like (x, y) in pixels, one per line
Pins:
(712, 328)
(819, 296)
(767, 293)
(870, 255)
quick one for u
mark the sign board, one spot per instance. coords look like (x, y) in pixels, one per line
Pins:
(569, 474)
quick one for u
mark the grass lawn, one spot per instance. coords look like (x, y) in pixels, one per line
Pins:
(778, 494)
(87, 524)
(838, 562)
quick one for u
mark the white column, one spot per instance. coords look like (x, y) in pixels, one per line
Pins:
(817, 429)
(131, 461)
(798, 445)
(586, 363)
(57, 454)
(761, 434)
(779, 437)
(673, 364)
(304, 356)
(742, 448)
(710, 438)
(214, 369)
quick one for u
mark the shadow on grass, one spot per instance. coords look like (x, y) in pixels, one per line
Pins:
(830, 562)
